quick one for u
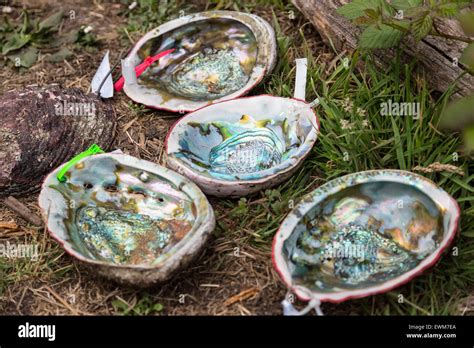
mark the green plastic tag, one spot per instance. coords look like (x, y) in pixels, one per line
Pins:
(89, 152)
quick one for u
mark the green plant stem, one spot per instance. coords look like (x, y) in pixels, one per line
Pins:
(395, 26)
(452, 37)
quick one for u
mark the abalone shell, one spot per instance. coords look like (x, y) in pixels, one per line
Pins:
(218, 55)
(238, 147)
(42, 127)
(364, 233)
(134, 221)
(212, 58)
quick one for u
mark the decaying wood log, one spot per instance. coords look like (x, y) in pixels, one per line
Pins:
(436, 56)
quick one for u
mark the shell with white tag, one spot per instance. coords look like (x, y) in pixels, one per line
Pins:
(216, 56)
(238, 147)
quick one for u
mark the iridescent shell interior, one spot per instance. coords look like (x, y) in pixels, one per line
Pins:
(218, 55)
(364, 230)
(119, 214)
(245, 139)
(213, 58)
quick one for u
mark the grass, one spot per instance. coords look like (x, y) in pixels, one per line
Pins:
(354, 136)
(144, 306)
(374, 141)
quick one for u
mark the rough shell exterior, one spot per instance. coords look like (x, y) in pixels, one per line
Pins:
(41, 128)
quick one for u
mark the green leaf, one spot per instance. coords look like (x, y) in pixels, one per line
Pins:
(467, 56)
(468, 136)
(63, 54)
(15, 42)
(121, 306)
(67, 38)
(157, 307)
(402, 23)
(415, 12)
(448, 10)
(467, 22)
(382, 36)
(422, 27)
(458, 114)
(371, 13)
(26, 57)
(406, 4)
(398, 144)
(357, 8)
(26, 22)
(469, 234)
(51, 22)
(364, 21)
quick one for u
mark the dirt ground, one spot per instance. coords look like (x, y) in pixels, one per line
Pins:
(55, 284)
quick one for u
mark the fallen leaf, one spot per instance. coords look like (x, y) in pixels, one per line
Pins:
(26, 57)
(51, 22)
(15, 42)
(67, 38)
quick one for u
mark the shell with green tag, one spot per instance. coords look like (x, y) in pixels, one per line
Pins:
(130, 220)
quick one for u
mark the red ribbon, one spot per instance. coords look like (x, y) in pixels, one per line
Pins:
(139, 69)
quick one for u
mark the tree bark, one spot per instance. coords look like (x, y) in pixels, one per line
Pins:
(436, 56)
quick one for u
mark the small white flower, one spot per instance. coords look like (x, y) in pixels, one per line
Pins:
(361, 112)
(132, 5)
(347, 105)
(7, 9)
(345, 124)
(88, 29)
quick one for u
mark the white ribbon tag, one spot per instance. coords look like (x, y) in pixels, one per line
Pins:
(300, 83)
(290, 310)
(128, 72)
